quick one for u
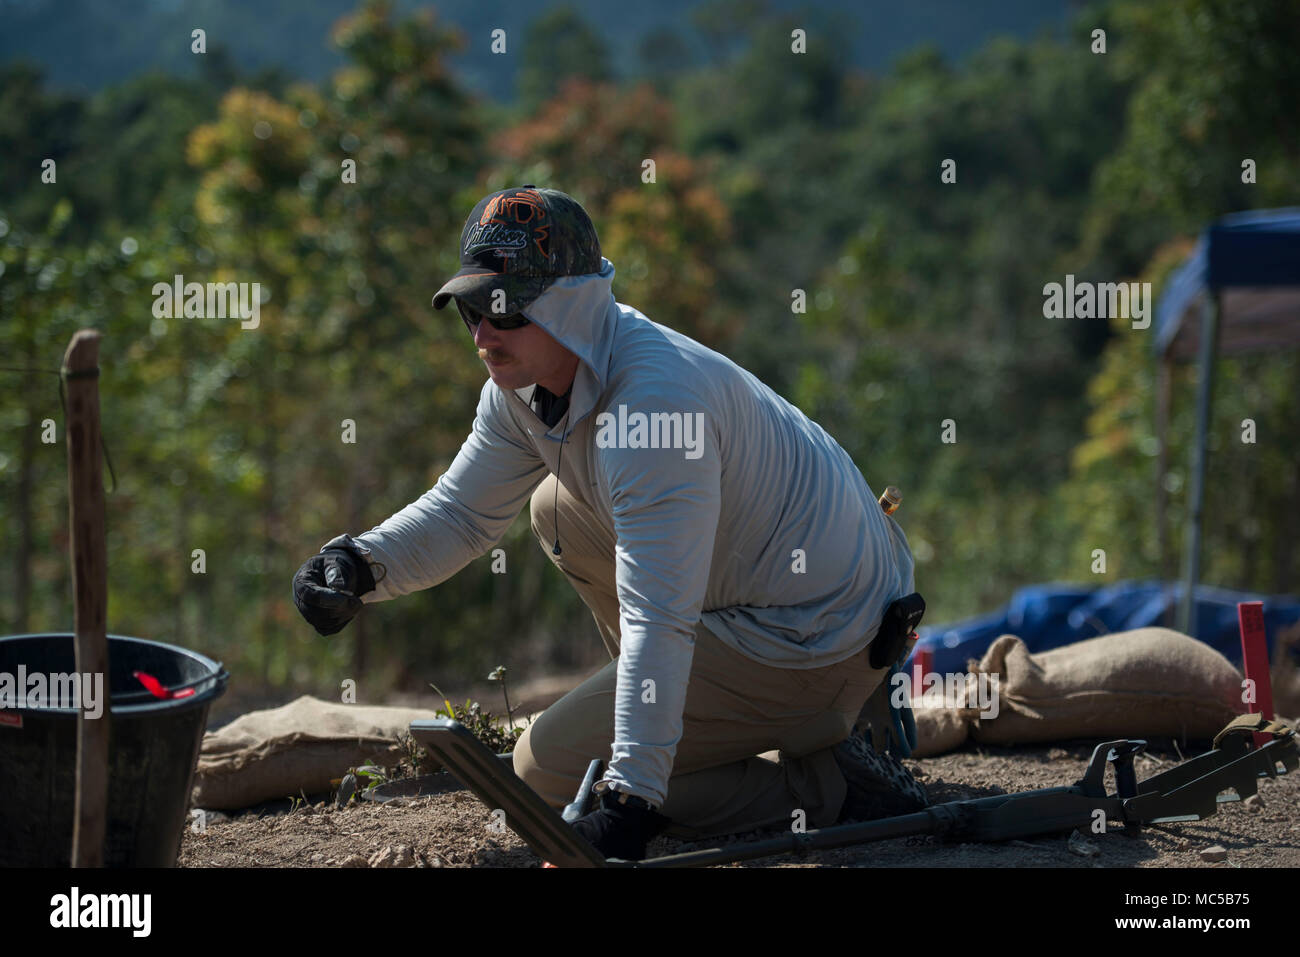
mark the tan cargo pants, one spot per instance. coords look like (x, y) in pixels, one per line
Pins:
(756, 739)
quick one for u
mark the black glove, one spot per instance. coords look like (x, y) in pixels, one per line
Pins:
(329, 586)
(621, 830)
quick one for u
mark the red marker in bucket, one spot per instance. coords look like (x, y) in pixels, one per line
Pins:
(156, 688)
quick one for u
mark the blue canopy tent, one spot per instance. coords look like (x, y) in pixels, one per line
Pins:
(1244, 281)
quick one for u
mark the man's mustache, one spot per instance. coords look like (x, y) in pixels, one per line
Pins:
(494, 354)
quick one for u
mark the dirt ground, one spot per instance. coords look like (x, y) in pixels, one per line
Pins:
(451, 829)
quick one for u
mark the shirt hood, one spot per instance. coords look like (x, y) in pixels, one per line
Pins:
(580, 313)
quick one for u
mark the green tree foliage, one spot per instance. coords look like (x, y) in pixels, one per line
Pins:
(932, 313)
(1215, 83)
(35, 125)
(593, 141)
(557, 46)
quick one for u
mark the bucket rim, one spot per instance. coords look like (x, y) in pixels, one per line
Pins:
(203, 696)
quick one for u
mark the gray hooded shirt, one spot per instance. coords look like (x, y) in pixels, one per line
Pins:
(728, 505)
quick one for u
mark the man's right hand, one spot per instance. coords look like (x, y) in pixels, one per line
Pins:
(328, 587)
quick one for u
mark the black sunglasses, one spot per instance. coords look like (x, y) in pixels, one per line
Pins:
(473, 317)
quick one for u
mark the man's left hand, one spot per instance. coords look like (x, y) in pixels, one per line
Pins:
(621, 830)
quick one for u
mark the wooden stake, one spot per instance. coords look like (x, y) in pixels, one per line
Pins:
(89, 589)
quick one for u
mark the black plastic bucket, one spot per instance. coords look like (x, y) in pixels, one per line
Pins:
(153, 747)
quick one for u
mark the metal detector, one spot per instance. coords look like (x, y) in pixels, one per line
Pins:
(1189, 791)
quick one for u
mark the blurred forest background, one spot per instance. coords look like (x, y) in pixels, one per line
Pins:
(775, 171)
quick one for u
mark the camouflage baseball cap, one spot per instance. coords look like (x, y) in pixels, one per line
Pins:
(520, 240)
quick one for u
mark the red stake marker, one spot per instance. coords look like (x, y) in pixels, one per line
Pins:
(1254, 657)
(923, 661)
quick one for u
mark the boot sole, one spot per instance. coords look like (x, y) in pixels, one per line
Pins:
(878, 786)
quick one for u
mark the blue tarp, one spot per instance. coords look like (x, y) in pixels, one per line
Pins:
(1049, 616)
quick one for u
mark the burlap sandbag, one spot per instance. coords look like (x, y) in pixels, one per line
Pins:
(940, 730)
(1149, 682)
(298, 748)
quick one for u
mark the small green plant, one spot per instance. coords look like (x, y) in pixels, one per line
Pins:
(488, 728)
(499, 674)
(415, 760)
(372, 774)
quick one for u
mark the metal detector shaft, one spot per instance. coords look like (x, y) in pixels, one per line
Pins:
(1000, 817)
(922, 822)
